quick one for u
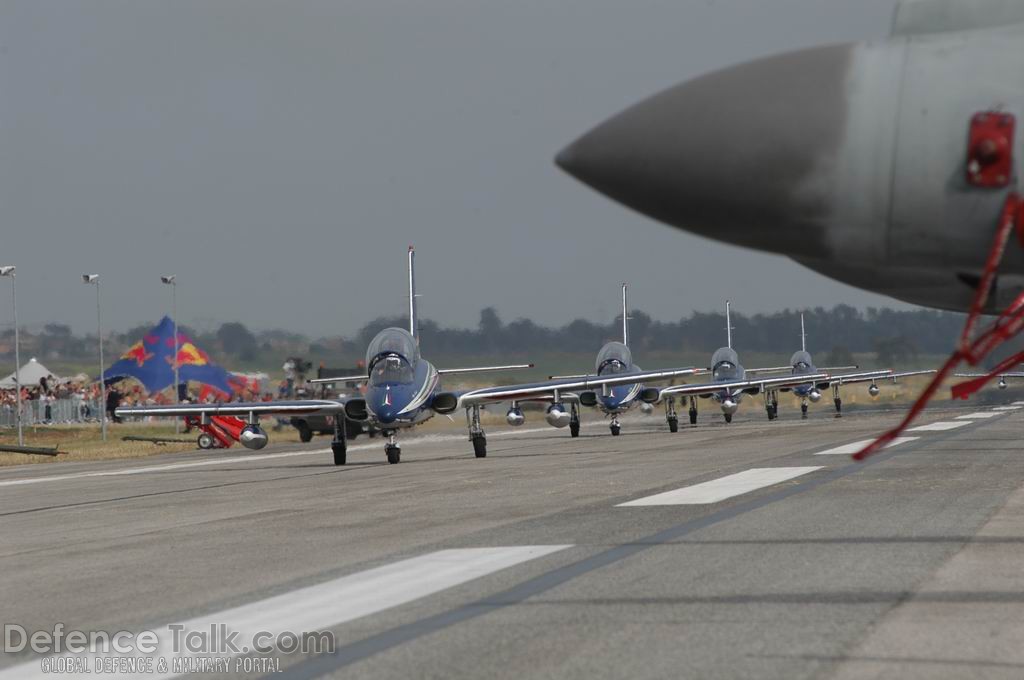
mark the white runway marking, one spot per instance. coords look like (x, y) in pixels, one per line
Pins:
(322, 606)
(978, 414)
(250, 458)
(939, 426)
(850, 449)
(1007, 408)
(725, 487)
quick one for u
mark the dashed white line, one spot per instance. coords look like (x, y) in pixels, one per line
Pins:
(939, 426)
(978, 414)
(720, 489)
(849, 449)
(1007, 408)
(318, 607)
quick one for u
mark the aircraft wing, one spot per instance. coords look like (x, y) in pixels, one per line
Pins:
(771, 369)
(872, 376)
(545, 391)
(1011, 374)
(240, 408)
(751, 386)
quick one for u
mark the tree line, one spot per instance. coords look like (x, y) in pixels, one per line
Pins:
(893, 335)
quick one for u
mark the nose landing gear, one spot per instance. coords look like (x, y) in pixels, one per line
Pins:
(615, 428)
(392, 450)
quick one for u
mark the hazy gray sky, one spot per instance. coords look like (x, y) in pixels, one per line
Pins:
(280, 156)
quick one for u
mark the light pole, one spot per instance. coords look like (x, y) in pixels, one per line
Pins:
(95, 279)
(171, 281)
(8, 270)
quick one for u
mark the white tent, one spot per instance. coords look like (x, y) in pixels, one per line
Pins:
(29, 374)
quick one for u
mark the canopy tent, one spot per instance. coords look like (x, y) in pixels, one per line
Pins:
(29, 375)
(151, 362)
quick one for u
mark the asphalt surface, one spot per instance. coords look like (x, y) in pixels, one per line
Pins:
(908, 566)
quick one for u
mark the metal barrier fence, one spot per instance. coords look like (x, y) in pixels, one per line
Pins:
(39, 412)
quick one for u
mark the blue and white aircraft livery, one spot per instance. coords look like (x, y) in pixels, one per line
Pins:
(617, 386)
(730, 382)
(403, 390)
(810, 391)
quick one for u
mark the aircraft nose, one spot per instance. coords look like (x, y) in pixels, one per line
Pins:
(743, 155)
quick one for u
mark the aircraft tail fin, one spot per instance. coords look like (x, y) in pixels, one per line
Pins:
(728, 325)
(413, 321)
(625, 318)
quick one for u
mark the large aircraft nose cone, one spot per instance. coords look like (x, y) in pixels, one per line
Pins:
(743, 155)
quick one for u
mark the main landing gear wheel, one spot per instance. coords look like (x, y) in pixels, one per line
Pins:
(728, 417)
(305, 434)
(394, 454)
(615, 430)
(803, 411)
(205, 441)
(693, 416)
(480, 446)
(574, 428)
(839, 407)
(673, 425)
(340, 450)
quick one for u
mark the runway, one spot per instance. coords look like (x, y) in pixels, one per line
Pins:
(753, 550)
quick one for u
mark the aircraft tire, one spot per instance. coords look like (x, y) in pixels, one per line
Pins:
(728, 417)
(693, 417)
(305, 434)
(615, 430)
(574, 429)
(480, 446)
(340, 450)
(394, 454)
(673, 425)
(205, 441)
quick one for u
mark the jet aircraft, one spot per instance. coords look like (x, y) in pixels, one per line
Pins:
(803, 364)
(614, 360)
(730, 382)
(401, 389)
(884, 164)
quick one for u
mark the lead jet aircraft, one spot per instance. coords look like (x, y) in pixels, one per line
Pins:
(730, 382)
(401, 390)
(802, 364)
(617, 386)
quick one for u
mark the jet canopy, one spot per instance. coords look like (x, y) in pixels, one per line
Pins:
(391, 357)
(614, 357)
(725, 355)
(801, 361)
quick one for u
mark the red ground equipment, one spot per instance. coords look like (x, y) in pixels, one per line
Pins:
(220, 433)
(975, 345)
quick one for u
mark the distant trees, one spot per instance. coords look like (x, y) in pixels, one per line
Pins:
(235, 338)
(833, 336)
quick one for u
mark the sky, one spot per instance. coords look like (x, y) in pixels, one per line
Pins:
(279, 157)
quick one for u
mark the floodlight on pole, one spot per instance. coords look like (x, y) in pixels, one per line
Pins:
(94, 279)
(8, 271)
(171, 280)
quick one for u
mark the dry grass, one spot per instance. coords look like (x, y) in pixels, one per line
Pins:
(83, 442)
